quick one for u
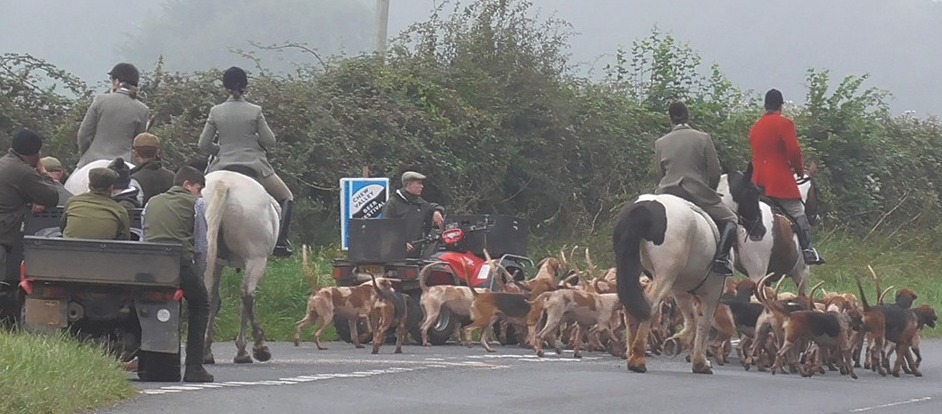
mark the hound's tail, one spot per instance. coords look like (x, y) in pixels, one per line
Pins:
(214, 209)
(643, 220)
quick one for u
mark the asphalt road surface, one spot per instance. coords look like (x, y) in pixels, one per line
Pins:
(454, 379)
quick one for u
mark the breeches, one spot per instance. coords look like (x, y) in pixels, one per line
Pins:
(277, 188)
(794, 208)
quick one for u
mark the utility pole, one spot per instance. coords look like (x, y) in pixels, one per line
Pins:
(382, 23)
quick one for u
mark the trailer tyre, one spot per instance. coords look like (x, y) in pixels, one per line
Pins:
(158, 366)
(343, 331)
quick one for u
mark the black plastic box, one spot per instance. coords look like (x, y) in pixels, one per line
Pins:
(506, 234)
(377, 240)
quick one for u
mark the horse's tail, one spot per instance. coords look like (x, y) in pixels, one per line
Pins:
(643, 220)
(213, 219)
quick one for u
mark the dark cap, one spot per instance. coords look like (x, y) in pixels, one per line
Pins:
(99, 179)
(123, 177)
(773, 99)
(235, 79)
(27, 142)
(125, 72)
(678, 112)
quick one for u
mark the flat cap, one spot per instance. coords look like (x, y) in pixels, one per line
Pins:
(101, 178)
(51, 164)
(146, 140)
(409, 176)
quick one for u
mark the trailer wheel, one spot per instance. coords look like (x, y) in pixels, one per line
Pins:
(343, 331)
(158, 366)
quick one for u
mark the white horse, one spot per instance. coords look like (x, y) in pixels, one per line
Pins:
(242, 226)
(767, 242)
(77, 183)
(673, 240)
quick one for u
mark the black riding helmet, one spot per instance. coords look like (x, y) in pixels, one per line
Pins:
(235, 79)
(126, 73)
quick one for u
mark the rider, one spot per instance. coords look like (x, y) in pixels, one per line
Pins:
(775, 156)
(239, 138)
(690, 169)
(419, 214)
(114, 119)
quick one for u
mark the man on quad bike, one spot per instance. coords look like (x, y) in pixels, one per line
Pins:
(420, 215)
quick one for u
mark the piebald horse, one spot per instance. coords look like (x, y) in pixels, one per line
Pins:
(242, 226)
(673, 240)
(767, 243)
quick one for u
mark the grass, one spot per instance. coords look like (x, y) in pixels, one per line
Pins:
(912, 263)
(51, 374)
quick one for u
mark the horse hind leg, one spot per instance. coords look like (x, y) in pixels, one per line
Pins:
(255, 269)
(709, 300)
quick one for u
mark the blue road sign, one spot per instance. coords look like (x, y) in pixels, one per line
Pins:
(360, 198)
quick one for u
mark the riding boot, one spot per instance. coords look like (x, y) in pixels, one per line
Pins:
(808, 252)
(721, 265)
(283, 246)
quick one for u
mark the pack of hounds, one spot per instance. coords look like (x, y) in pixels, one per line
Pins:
(778, 331)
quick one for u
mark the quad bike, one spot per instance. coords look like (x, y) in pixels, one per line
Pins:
(456, 256)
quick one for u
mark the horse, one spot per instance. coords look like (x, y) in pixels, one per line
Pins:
(78, 180)
(767, 241)
(675, 241)
(242, 226)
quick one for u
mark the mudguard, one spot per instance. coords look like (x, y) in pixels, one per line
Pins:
(160, 325)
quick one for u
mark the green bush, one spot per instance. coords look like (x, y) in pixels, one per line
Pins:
(486, 103)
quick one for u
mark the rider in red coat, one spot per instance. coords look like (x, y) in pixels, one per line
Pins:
(776, 155)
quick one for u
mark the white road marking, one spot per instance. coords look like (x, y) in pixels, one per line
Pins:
(876, 407)
(470, 361)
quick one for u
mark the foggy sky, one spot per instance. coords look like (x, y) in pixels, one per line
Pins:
(758, 44)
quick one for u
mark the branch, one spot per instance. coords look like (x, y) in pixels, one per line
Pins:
(887, 214)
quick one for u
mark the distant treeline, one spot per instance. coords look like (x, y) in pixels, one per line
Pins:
(487, 105)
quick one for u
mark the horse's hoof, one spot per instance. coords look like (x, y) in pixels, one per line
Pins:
(242, 359)
(670, 347)
(261, 354)
(208, 359)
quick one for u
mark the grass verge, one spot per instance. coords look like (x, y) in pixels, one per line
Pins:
(56, 374)
(901, 261)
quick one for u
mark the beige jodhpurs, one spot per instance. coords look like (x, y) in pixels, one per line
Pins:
(276, 188)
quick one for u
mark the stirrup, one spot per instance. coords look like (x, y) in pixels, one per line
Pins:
(721, 267)
(811, 256)
(283, 251)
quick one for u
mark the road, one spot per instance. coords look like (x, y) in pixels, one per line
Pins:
(453, 379)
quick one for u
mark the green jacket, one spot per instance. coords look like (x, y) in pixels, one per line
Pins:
(95, 216)
(169, 218)
(20, 185)
(415, 210)
(153, 178)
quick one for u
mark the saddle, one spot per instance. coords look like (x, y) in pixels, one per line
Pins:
(244, 170)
